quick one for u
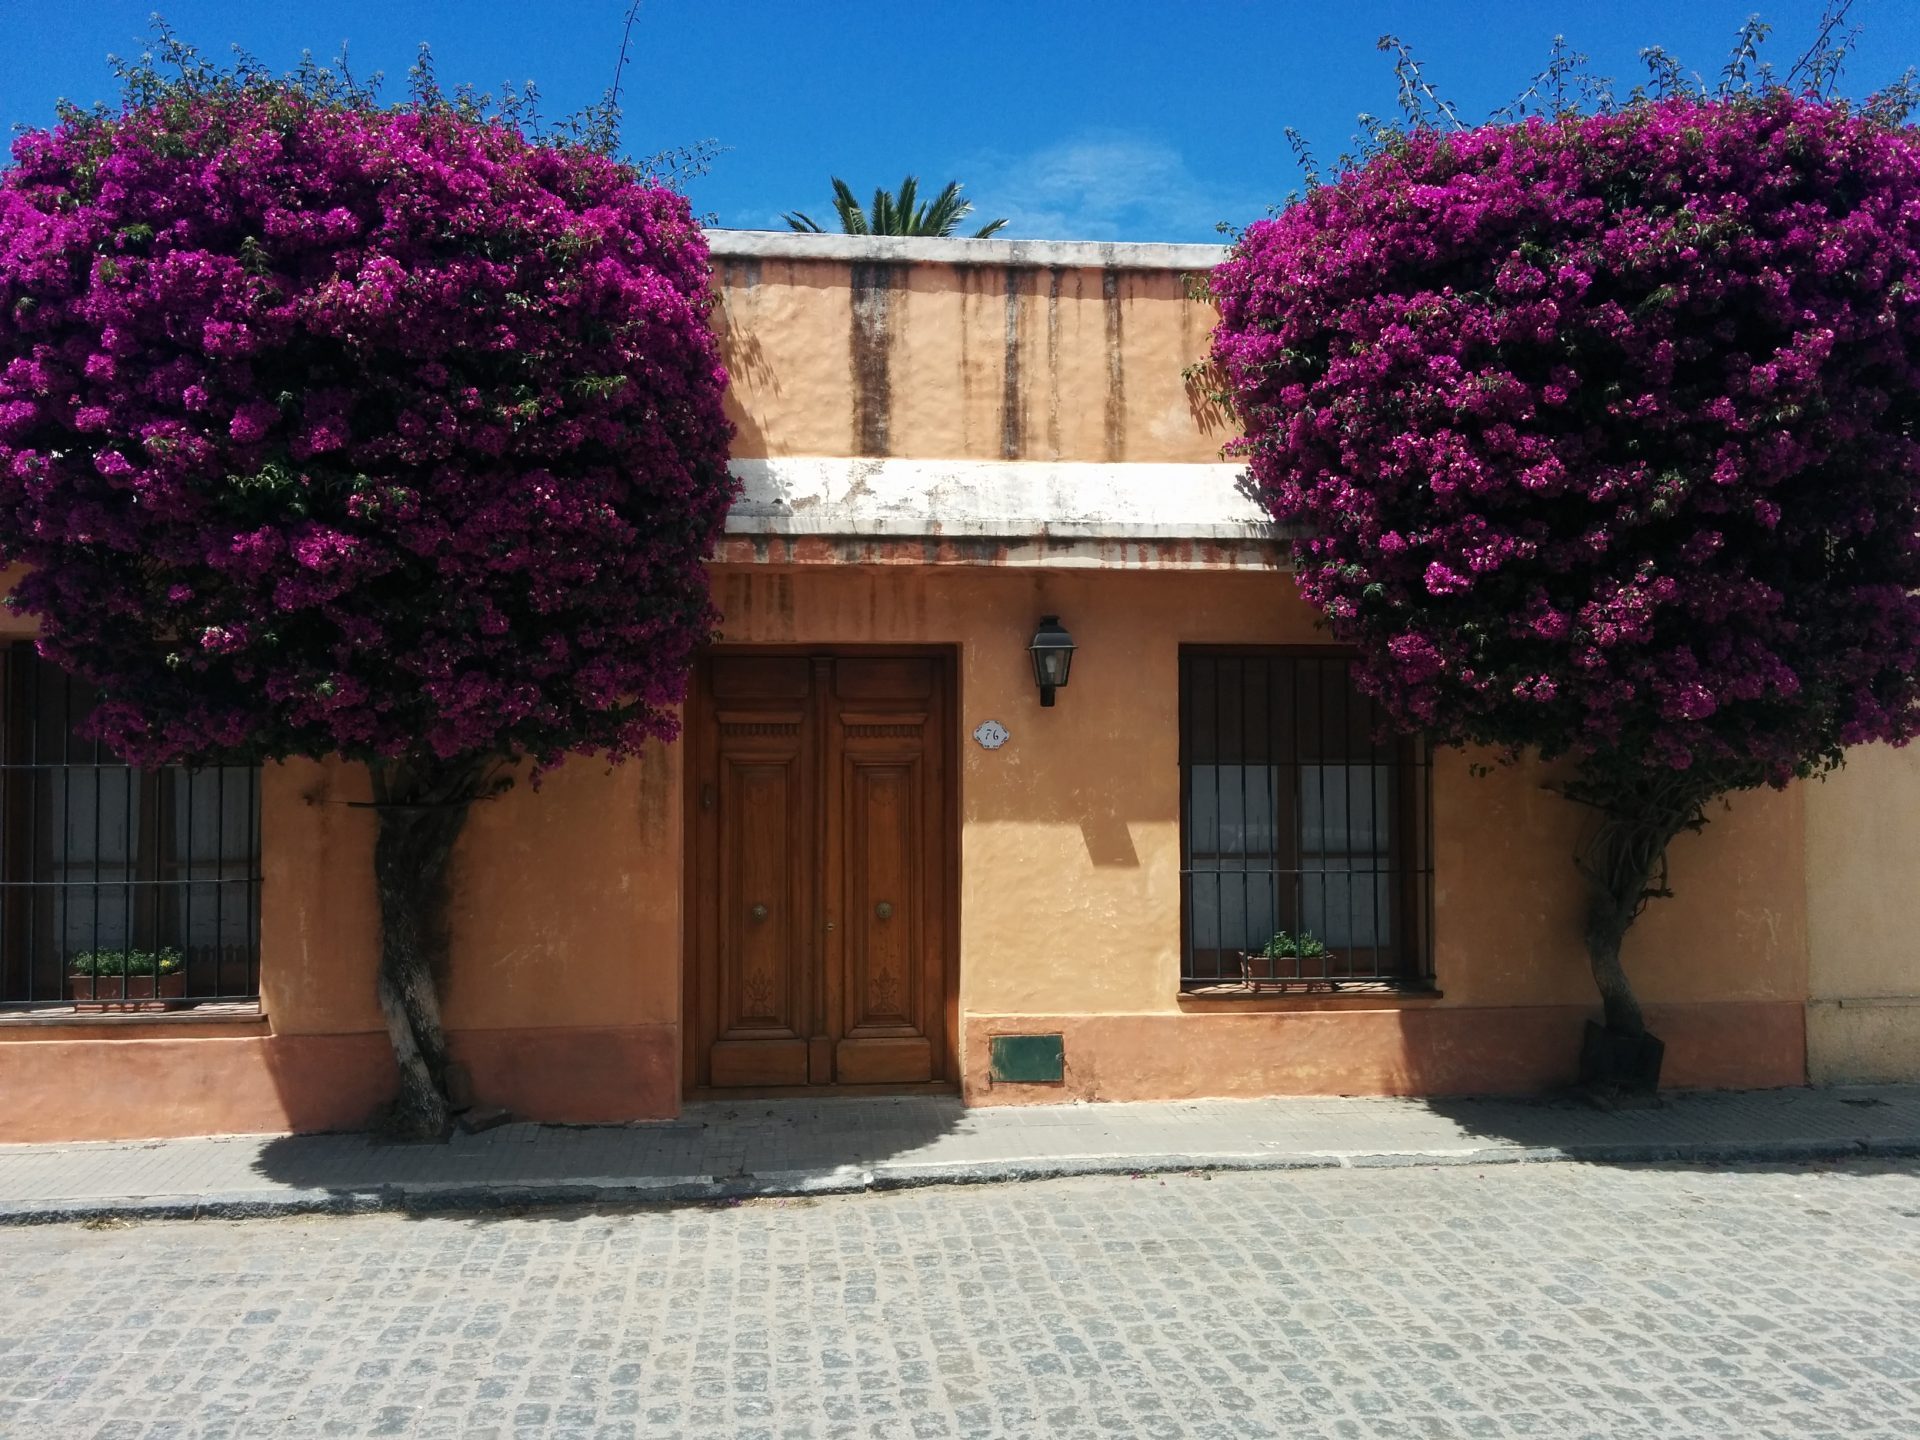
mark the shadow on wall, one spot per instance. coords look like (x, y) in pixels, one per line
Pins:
(1206, 402)
(1109, 841)
(1483, 1050)
(331, 1082)
(747, 367)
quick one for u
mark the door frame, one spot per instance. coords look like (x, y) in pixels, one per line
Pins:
(699, 755)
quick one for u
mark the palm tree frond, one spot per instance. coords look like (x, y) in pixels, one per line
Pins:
(803, 222)
(946, 211)
(900, 212)
(852, 221)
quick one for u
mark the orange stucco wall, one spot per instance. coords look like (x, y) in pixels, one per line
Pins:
(563, 994)
(1070, 896)
(564, 991)
(964, 362)
(562, 997)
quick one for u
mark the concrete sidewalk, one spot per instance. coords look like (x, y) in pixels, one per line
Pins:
(724, 1150)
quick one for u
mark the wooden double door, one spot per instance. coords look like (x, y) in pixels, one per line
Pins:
(821, 871)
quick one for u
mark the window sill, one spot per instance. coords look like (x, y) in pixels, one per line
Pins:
(212, 1012)
(1304, 995)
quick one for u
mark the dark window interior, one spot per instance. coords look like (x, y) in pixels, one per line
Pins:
(109, 874)
(1296, 819)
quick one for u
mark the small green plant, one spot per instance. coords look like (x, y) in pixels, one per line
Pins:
(126, 962)
(1287, 946)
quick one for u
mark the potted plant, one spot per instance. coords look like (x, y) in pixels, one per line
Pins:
(98, 979)
(1284, 960)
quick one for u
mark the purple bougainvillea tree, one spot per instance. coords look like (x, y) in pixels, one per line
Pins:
(391, 433)
(1602, 438)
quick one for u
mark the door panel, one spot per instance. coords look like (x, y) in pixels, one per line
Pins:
(885, 678)
(904, 1061)
(818, 894)
(754, 951)
(760, 678)
(882, 918)
(763, 992)
(885, 1009)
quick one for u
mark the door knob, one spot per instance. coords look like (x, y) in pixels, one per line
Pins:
(884, 910)
(759, 912)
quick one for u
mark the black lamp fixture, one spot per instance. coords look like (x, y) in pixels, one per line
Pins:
(1052, 651)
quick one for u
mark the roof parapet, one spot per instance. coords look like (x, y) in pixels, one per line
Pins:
(932, 250)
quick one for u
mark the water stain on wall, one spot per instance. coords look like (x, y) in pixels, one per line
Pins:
(870, 347)
(1012, 403)
(1053, 362)
(1116, 427)
(967, 275)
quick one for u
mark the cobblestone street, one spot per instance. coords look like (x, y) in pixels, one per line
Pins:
(1517, 1300)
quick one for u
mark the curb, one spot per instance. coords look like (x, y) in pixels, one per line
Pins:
(462, 1196)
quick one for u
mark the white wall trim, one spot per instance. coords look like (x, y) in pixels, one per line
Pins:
(967, 500)
(1068, 254)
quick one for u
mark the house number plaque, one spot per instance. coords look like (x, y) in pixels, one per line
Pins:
(991, 734)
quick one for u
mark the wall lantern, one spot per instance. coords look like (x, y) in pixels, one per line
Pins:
(1052, 651)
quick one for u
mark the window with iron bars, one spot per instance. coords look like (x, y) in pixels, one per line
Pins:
(120, 888)
(1304, 839)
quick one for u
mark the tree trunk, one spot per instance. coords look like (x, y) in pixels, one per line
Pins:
(422, 807)
(1608, 917)
(1625, 864)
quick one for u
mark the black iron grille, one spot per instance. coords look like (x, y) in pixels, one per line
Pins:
(118, 886)
(1304, 839)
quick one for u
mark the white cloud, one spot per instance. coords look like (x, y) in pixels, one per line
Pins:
(1104, 186)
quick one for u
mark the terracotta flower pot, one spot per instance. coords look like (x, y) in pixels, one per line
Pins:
(1262, 972)
(129, 992)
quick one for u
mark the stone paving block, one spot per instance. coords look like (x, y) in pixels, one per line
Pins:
(1371, 1302)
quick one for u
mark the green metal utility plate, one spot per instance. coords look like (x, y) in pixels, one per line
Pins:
(1028, 1059)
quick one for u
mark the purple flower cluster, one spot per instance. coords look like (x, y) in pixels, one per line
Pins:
(335, 430)
(1602, 435)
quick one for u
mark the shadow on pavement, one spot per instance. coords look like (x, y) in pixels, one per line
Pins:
(1689, 1128)
(716, 1151)
(729, 1151)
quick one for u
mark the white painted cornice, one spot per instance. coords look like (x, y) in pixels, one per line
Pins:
(910, 249)
(995, 500)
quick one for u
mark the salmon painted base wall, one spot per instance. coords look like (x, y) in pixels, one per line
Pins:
(1405, 1051)
(149, 1082)
(68, 1083)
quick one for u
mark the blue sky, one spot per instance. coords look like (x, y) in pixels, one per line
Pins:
(1116, 120)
